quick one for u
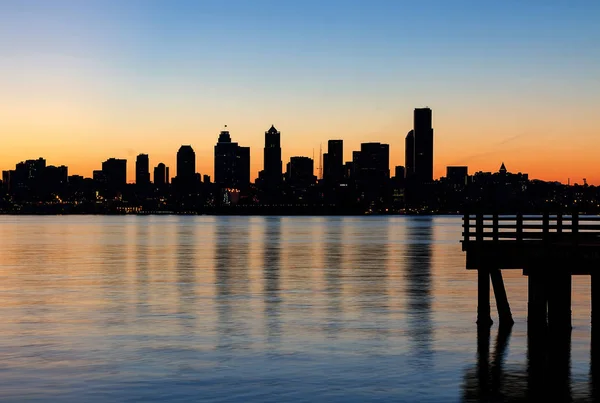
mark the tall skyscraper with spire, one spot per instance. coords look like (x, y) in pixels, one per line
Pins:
(272, 172)
(423, 132)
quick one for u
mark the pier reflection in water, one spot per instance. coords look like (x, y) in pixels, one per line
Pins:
(269, 309)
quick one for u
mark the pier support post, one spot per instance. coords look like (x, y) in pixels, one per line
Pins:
(559, 302)
(484, 317)
(537, 301)
(595, 280)
(502, 304)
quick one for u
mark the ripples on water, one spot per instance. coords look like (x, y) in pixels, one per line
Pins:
(264, 309)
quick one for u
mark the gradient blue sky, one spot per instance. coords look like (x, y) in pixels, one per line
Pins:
(507, 80)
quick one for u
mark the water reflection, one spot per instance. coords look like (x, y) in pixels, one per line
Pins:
(334, 322)
(546, 376)
(271, 277)
(142, 250)
(113, 261)
(418, 290)
(185, 263)
(370, 277)
(231, 283)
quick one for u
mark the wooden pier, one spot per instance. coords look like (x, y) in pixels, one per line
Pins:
(548, 248)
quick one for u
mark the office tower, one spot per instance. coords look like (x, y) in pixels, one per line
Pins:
(115, 172)
(142, 170)
(334, 172)
(167, 177)
(232, 163)
(300, 172)
(423, 133)
(160, 175)
(457, 175)
(409, 153)
(272, 158)
(56, 177)
(186, 165)
(372, 172)
(6, 180)
(243, 167)
(400, 172)
(373, 162)
(206, 179)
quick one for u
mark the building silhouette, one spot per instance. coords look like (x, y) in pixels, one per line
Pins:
(114, 171)
(142, 170)
(409, 154)
(161, 175)
(333, 162)
(272, 171)
(372, 171)
(400, 172)
(457, 175)
(232, 163)
(186, 165)
(300, 172)
(423, 133)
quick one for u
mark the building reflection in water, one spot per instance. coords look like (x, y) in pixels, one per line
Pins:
(333, 261)
(141, 265)
(186, 270)
(114, 258)
(369, 277)
(231, 282)
(418, 290)
(271, 278)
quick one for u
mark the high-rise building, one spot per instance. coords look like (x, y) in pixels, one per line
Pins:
(457, 175)
(186, 165)
(334, 167)
(300, 172)
(372, 162)
(400, 172)
(423, 132)
(372, 171)
(232, 163)
(272, 172)
(115, 172)
(243, 167)
(160, 175)
(409, 153)
(142, 170)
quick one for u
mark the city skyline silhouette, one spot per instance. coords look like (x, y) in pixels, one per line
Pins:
(507, 82)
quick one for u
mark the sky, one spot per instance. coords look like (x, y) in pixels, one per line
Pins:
(508, 81)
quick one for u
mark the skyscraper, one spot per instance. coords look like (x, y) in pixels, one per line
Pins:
(334, 172)
(272, 157)
(115, 172)
(160, 175)
(372, 170)
(409, 153)
(232, 163)
(142, 170)
(423, 132)
(300, 172)
(186, 164)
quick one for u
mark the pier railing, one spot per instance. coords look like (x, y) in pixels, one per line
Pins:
(520, 227)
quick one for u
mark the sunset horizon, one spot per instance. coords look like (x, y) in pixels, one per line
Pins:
(506, 83)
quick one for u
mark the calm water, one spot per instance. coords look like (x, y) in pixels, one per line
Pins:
(259, 309)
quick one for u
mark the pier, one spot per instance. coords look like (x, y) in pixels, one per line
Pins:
(548, 248)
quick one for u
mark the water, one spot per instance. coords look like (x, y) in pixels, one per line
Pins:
(256, 309)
